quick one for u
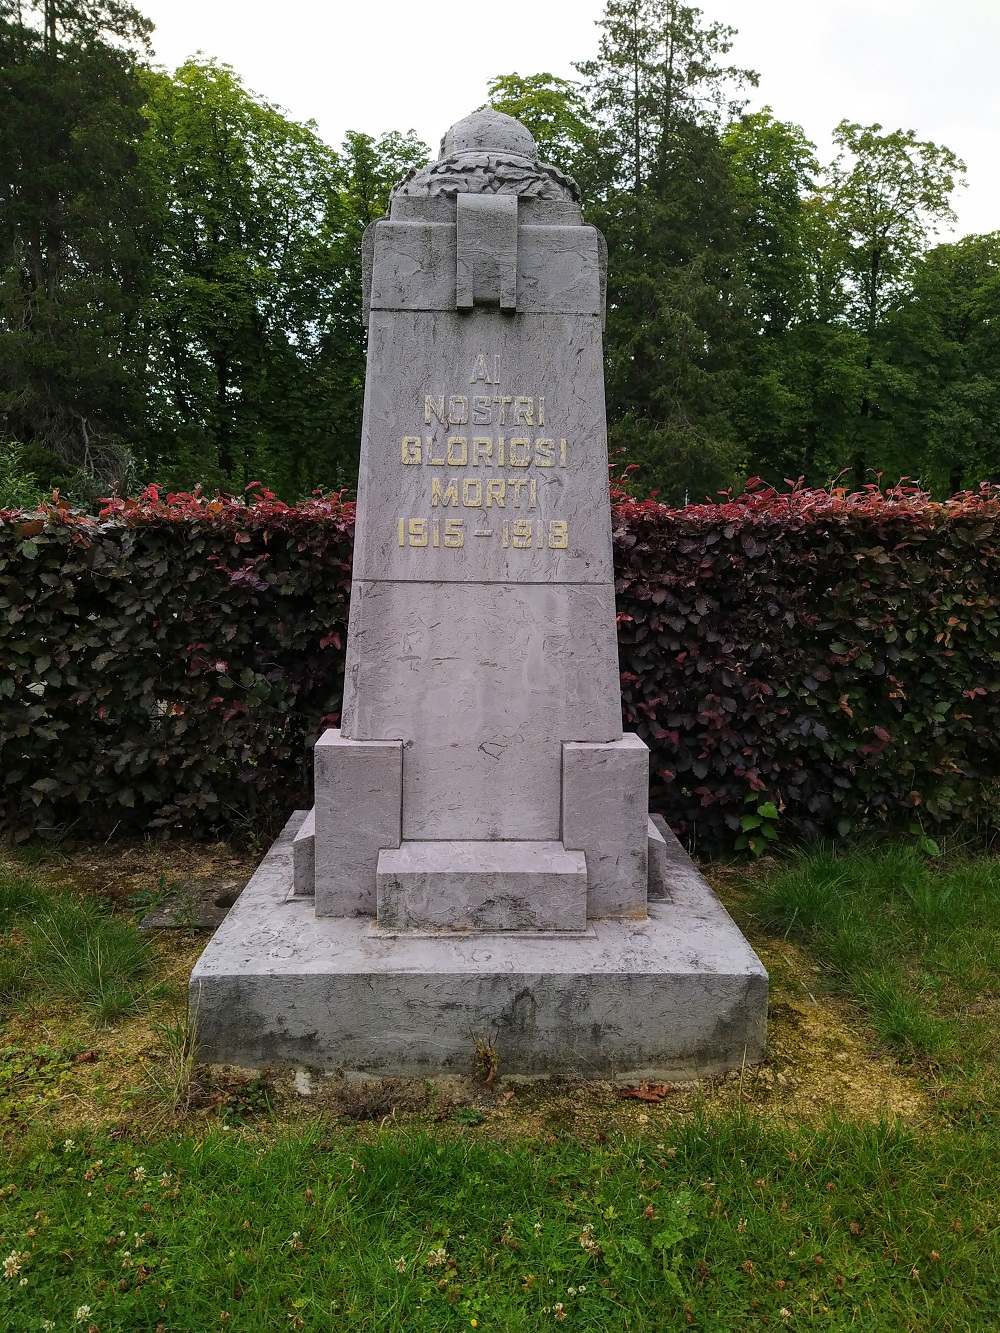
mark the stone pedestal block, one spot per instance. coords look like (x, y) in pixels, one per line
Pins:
(484, 886)
(605, 814)
(304, 858)
(359, 791)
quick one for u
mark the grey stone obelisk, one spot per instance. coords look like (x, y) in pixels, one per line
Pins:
(480, 859)
(482, 637)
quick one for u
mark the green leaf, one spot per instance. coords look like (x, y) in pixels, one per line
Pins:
(768, 810)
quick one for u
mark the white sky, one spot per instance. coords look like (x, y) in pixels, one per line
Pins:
(422, 64)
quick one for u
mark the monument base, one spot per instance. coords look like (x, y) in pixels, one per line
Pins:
(679, 995)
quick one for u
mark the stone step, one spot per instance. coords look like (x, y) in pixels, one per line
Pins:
(482, 886)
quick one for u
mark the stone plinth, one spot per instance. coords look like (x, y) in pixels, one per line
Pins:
(676, 996)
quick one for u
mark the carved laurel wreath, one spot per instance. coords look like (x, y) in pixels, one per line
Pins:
(489, 173)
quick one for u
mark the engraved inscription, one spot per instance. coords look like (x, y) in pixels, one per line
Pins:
(458, 454)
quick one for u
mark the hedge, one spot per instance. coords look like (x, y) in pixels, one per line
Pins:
(800, 663)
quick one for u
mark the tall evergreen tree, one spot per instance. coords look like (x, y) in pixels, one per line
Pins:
(658, 90)
(74, 232)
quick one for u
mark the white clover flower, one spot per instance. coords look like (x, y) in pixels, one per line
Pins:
(437, 1257)
(23, 1282)
(12, 1264)
(69, 1145)
(139, 1174)
(82, 1313)
(48, 1325)
(587, 1240)
(399, 1264)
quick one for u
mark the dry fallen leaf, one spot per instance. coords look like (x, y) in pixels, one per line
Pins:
(648, 1092)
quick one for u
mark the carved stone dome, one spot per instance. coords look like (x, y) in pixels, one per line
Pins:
(489, 131)
(488, 153)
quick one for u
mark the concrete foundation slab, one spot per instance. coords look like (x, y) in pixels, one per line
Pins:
(678, 995)
(484, 886)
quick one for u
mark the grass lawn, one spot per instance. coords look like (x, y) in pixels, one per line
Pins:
(850, 1182)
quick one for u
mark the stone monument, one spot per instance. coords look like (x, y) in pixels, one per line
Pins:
(480, 863)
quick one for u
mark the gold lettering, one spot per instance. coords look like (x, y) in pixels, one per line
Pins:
(541, 409)
(520, 534)
(558, 534)
(418, 532)
(454, 533)
(434, 407)
(562, 453)
(458, 409)
(482, 447)
(480, 371)
(545, 451)
(458, 451)
(436, 462)
(532, 493)
(447, 495)
(524, 411)
(500, 443)
(495, 489)
(482, 410)
(411, 449)
(517, 485)
(519, 459)
(503, 402)
(472, 493)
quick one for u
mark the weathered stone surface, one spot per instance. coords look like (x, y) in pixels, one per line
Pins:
(486, 260)
(605, 814)
(358, 794)
(526, 501)
(482, 683)
(677, 996)
(482, 708)
(482, 886)
(304, 858)
(659, 863)
(414, 266)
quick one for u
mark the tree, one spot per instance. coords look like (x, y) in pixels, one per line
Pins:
(890, 191)
(74, 234)
(657, 67)
(942, 342)
(253, 329)
(676, 312)
(555, 112)
(774, 169)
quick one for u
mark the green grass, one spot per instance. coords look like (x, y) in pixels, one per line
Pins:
(917, 942)
(723, 1222)
(209, 1214)
(70, 948)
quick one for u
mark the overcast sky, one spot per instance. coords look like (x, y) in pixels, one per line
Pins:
(926, 65)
